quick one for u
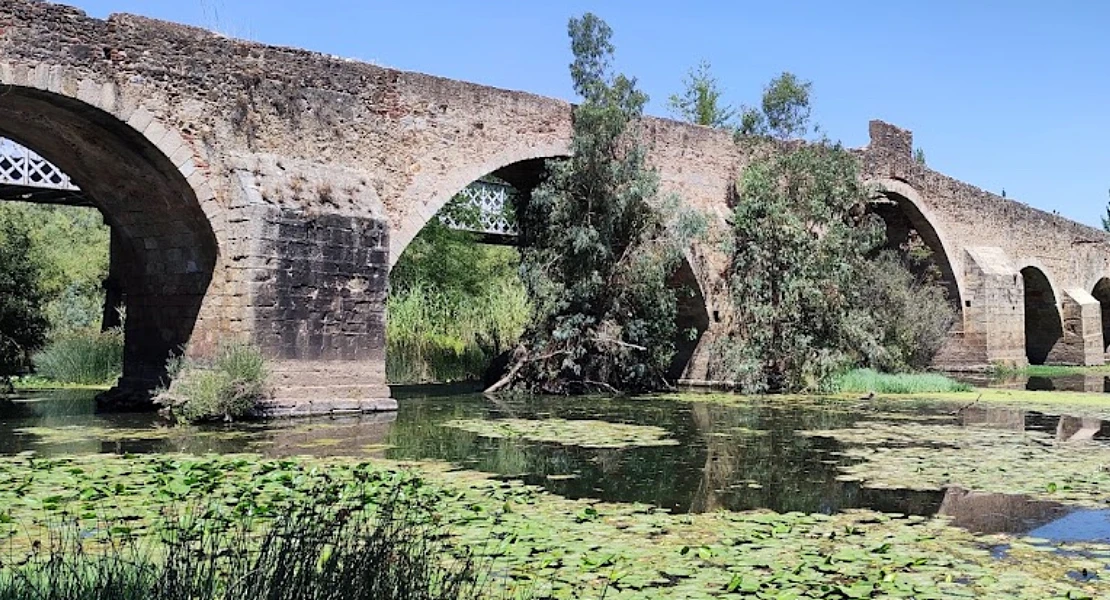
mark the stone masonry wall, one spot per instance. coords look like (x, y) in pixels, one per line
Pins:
(301, 137)
(317, 287)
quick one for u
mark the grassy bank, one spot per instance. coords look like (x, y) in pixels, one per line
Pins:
(435, 336)
(863, 381)
(1049, 371)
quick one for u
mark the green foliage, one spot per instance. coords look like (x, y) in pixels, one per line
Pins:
(919, 156)
(84, 357)
(799, 237)
(454, 304)
(700, 101)
(437, 335)
(596, 253)
(812, 293)
(227, 387)
(312, 552)
(1105, 218)
(905, 317)
(450, 260)
(69, 245)
(860, 381)
(23, 325)
(784, 110)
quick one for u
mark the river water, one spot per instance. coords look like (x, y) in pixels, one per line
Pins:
(727, 456)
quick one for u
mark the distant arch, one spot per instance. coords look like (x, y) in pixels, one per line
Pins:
(691, 317)
(1101, 292)
(143, 178)
(909, 210)
(521, 167)
(1043, 325)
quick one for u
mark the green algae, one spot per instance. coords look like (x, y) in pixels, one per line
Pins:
(928, 457)
(586, 433)
(541, 545)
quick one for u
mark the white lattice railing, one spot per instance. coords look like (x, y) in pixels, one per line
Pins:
(20, 166)
(489, 198)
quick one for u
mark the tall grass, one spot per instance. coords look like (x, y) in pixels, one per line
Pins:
(443, 337)
(868, 380)
(85, 357)
(313, 553)
(227, 387)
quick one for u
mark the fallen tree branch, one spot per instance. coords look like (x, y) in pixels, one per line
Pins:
(966, 406)
(602, 384)
(508, 378)
(619, 343)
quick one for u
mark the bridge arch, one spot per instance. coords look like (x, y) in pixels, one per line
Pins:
(427, 195)
(144, 177)
(911, 207)
(523, 168)
(1101, 292)
(1044, 327)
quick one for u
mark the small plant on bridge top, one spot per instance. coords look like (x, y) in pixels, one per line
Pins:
(598, 245)
(227, 387)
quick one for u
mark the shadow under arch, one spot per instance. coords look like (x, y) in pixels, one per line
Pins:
(903, 212)
(691, 318)
(1043, 325)
(167, 250)
(1101, 292)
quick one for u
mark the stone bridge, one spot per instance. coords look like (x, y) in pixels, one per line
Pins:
(262, 193)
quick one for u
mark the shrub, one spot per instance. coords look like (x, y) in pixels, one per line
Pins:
(909, 315)
(85, 357)
(228, 387)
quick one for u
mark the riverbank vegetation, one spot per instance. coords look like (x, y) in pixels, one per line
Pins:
(816, 289)
(228, 387)
(1002, 371)
(454, 304)
(82, 357)
(53, 260)
(865, 381)
(599, 243)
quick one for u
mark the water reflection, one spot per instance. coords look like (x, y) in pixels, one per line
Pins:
(728, 457)
(1065, 428)
(997, 513)
(1079, 382)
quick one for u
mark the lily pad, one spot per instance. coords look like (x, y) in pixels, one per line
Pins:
(586, 433)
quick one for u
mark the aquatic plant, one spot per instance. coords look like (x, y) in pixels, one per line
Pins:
(393, 550)
(923, 456)
(586, 433)
(863, 381)
(85, 357)
(562, 548)
(228, 387)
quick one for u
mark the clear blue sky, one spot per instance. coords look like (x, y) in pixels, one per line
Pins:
(1002, 94)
